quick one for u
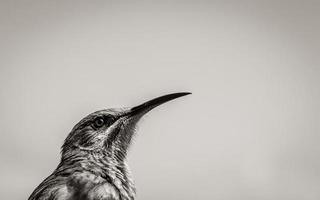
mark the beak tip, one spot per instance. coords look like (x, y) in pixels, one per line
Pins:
(180, 94)
(187, 93)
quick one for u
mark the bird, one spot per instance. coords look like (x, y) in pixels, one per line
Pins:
(93, 164)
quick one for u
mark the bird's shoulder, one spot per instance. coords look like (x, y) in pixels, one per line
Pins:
(78, 186)
(52, 188)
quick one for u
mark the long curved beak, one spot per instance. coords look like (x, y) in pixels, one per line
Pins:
(149, 105)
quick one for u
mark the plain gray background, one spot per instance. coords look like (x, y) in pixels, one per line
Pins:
(249, 131)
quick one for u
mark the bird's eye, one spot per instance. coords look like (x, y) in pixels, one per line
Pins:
(98, 122)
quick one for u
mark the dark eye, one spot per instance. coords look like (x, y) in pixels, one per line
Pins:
(98, 122)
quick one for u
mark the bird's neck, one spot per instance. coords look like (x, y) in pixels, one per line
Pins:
(113, 170)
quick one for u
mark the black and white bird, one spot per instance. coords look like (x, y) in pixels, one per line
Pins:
(93, 157)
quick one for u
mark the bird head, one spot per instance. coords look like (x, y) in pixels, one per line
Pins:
(110, 131)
